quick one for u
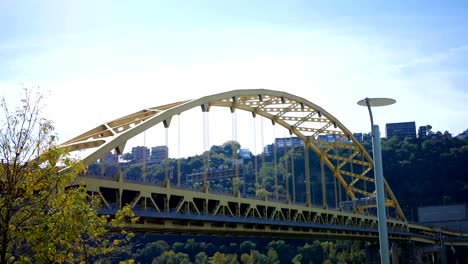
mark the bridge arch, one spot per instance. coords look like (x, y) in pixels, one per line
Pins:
(299, 116)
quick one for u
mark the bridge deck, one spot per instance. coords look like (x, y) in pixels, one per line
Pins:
(166, 210)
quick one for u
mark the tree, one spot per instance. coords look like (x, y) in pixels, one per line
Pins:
(311, 253)
(178, 246)
(152, 250)
(273, 256)
(329, 250)
(246, 258)
(182, 258)
(284, 251)
(247, 246)
(231, 259)
(165, 257)
(201, 258)
(191, 247)
(45, 216)
(230, 148)
(127, 156)
(297, 259)
(218, 258)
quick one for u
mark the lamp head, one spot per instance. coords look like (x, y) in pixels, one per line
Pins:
(376, 102)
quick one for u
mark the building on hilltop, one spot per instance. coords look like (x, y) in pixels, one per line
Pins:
(140, 153)
(159, 153)
(401, 130)
(244, 154)
(328, 137)
(358, 136)
(282, 145)
(288, 142)
(268, 149)
(449, 217)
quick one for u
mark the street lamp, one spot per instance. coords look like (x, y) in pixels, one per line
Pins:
(378, 175)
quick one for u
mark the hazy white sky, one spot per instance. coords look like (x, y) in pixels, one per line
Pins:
(103, 59)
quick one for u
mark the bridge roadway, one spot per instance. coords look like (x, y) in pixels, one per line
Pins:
(169, 210)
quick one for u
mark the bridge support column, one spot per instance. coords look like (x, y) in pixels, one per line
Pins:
(372, 253)
(432, 254)
(394, 253)
(457, 254)
(409, 254)
(443, 255)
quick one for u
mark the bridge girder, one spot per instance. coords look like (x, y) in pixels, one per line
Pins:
(299, 116)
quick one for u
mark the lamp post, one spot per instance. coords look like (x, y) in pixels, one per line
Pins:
(378, 175)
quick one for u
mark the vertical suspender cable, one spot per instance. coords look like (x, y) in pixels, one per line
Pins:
(336, 191)
(207, 147)
(324, 184)
(178, 152)
(262, 169)
(335, 185)
(275, 165)
(236, 180)
(144, 156)
(119, 170)
(255, 155)
(205, 157)
(292, 172)
(340, 187)
(286, 172)
(307, 174)
(166, 160)
(352, 171)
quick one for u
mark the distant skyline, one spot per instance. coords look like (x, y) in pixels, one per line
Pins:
(101, 60)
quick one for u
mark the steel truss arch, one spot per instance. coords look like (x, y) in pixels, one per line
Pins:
(335, 145)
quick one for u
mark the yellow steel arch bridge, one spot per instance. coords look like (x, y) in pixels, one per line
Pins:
(169, 209)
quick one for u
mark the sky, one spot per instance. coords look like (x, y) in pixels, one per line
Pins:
(100, 60)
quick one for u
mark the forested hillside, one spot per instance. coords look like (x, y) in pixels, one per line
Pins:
(427, 172)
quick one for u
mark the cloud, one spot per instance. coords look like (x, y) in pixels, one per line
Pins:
(449, 60)
(99, 76)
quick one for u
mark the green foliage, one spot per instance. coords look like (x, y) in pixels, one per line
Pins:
(152, 250)
(273, 256)
(415, 168)
(218, 258)
(329, 250)
(127, 156)
(247, 246)
(201, 258)
(231, 259)
(165, 257)
(230, 148)
(276, 251)
(45, 214)
(246, 258)
(178, 246)
(191, 247)
(311, 253)
(284, 250)
(182, 258)
(134, 171)
(297, 259)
